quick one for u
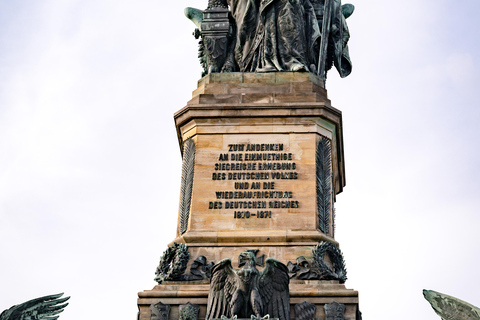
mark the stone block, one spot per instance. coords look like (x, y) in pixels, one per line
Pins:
(259, 78)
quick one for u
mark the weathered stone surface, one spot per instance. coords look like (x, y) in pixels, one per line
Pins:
(289, 110)
(288, 113)
(316, 292)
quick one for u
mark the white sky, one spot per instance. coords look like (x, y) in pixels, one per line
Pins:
(90, 163)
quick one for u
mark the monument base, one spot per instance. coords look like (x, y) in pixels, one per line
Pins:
(255, 139)
(177, 293)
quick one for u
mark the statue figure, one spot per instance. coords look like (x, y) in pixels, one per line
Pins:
(248, 292)
(336, 34)
(46, 308)
(217, 34)
(274, 35)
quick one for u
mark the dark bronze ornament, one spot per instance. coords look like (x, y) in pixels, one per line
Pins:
(339, 272)
(334, 219)
(188, 170)
(159, 311)
(331, 16)
(305, 311)
(273, 35)
(319, 269)
(43, 308)
(358, 315)
(189, 311)
(173, 263)
(259, 261)
(217, 31)
(304, 270)
(292, 269)
(248, 292)
(324, 183)
(212, 4)
(200, 270)
(334, 311)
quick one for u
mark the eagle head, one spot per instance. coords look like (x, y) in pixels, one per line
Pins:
(247, 258)
(247, 261)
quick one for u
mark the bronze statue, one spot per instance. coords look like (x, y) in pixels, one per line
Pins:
(273, 35)
(43, 308)
(331, 16)
(248, 292)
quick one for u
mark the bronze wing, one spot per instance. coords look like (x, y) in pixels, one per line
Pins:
(223, 284)
(273, 288)
(448, 307)
(43, 308)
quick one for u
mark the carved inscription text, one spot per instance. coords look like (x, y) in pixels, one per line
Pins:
(254, 171)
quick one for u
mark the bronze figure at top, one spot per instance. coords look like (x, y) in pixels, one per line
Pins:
(273, 35)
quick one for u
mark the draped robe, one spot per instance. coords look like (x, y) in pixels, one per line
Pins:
(337, 52)
(275, 35)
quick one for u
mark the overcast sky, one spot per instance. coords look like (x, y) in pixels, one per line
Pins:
(90, 163)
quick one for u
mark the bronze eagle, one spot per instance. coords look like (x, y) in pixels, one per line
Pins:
(43, 308)
(451, 308)
(248, 292)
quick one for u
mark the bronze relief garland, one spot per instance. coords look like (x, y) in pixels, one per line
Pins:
(188, 168)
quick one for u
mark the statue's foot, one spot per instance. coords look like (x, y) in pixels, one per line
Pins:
(267, 69)
(212, 69)
(298, 67)
(228, 67)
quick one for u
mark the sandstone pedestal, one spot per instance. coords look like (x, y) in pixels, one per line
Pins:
(254, 187)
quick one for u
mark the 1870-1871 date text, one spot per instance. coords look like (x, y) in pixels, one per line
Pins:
(248, 214)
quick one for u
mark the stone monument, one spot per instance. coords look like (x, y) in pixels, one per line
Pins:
(263, 162)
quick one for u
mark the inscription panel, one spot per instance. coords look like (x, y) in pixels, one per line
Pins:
(254, 181)
(252, 169)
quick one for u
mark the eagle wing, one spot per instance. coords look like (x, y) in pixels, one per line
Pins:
(43, 308)
(448, 307)
(223, 284)
(273, 288)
